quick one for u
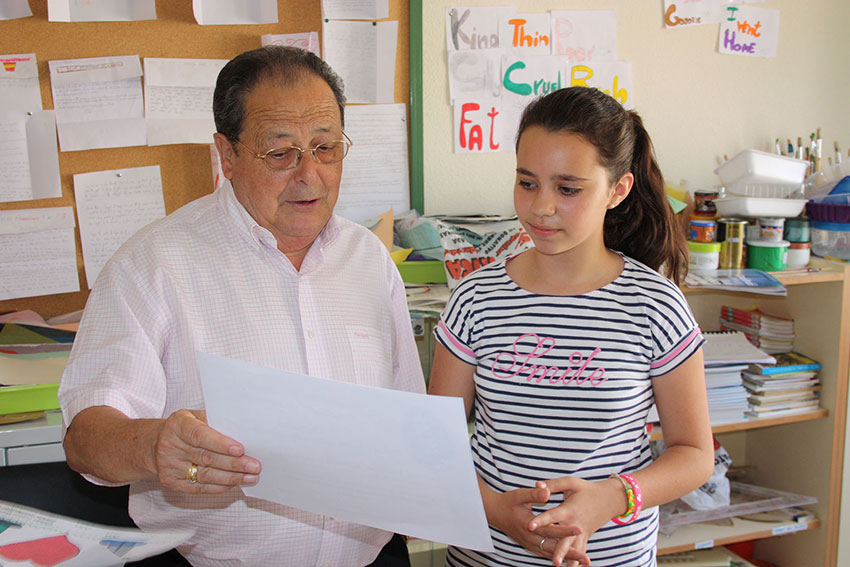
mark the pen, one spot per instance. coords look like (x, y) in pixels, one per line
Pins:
(778, 147)
(791, 148)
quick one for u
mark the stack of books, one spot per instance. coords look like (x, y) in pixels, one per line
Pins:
(726, 355)
(788, 387)
(769, 333)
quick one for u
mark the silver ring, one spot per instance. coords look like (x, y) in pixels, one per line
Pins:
(542, 541)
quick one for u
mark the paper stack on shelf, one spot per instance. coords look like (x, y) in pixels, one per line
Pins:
(788, 387)
(769, 333)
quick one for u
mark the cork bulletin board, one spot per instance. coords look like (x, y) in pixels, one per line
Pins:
(185, 168)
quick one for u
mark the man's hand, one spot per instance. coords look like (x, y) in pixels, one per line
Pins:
(184, 440)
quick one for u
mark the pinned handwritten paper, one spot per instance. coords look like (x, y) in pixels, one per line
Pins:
(585, 36)
(526, 32)
(37, 252)
(29, 158)
(98, 102)
(749, 31)
(100, 10)
(479, 126)
(689, 13)
(308, 41)
(19, 88)
(355, 9)
(112, 206)
(474, 27)
(13, 9)
(227, 12)
(178, 100)
(375, 172)
(363, 54)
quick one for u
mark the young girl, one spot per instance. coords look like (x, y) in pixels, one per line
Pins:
(563, 348)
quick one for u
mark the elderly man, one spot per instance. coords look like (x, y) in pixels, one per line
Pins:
(265, 273)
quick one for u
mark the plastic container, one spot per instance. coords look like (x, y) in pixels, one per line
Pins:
(703, 256)
(755, 207)
(799, 255)
(798, 230)
(767, 255)
(701, 229)
(754, 166)
(771, 228)
(831, 239)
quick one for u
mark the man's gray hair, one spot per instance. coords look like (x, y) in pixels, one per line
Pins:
(242, 73)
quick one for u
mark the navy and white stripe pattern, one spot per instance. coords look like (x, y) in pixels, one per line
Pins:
(563, 388)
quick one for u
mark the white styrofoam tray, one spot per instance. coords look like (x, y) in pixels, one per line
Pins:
(754, 166)
(755, 207)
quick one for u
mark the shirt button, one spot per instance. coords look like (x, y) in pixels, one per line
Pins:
(312, 335)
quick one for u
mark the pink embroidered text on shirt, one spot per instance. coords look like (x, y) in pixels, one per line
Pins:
(543, 372)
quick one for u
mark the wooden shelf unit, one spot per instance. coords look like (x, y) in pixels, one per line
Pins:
(802, 453)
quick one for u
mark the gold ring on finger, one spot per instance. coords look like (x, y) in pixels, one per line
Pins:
(192, 475)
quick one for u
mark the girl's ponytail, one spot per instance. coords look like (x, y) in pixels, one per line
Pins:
(643, 225)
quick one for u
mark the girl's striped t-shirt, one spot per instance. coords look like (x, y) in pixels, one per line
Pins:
(563, 386)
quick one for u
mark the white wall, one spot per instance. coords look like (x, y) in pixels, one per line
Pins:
(696, 103)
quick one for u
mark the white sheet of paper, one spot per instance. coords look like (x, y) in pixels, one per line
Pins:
(29, 159)
(112, 206)
(226, 12)
(308, 41)
(375, 173)
(383, 458)
(19, 89)
(96, 545)
(12, 9)
(693, 12)
(528, 32)
(98, 102)
(100, 10)
(178, 100)
(363, 54)
(355, 9)
(37, 252)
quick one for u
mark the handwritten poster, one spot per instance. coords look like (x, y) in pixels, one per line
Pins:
(749, 31)
(585, 36)
(500, 60)
(112, 206)
(689, 13)
(29, 158)
(19, 88)
(527, 32)
(474, 27)
(363, 54)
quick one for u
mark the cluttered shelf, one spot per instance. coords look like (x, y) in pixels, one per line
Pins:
(818, 271)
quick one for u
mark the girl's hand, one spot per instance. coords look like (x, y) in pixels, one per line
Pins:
(511, 513)
(588, 506)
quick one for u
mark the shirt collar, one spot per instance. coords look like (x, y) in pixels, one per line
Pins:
(247, 226)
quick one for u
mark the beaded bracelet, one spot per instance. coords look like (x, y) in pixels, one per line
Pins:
(634, 497)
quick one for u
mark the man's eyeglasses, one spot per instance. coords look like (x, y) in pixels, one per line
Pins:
(288, 157)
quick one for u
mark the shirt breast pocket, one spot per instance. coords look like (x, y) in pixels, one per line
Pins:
(371, 355)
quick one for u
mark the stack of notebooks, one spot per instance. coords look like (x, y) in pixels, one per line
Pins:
(727, 354)
(789, 386)
(769, 333)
